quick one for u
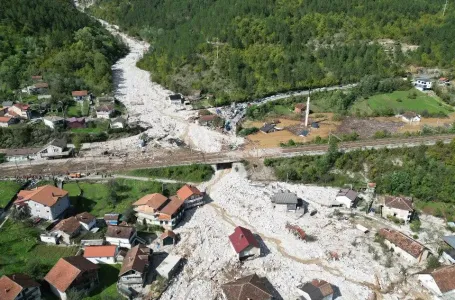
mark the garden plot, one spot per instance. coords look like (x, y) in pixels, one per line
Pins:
(287, 261)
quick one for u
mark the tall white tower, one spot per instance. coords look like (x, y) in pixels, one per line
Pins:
(307, 113)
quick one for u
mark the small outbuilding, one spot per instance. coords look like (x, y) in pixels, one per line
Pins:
(316, 290)
(346, 198)
(285, 201)
(175, 99)
(244, 243)
(169, 266)
(168, 237)
(267, 128)
(111, 219)
(410, 117)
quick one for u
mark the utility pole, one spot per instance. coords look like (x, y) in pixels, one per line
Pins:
(445, 8)
(217, 45)
(307, 113)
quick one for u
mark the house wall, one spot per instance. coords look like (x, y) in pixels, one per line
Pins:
(18, 158)
(281, 207)
(447, 258)
(102, 260)
(123, 243)
(59, 207)
(59, 294)
(193, 201)
(88, 226)
(132, 278)
(103, 115)
(30, 293)
(345, 201)
(48, 239)
(399, 213)
(428, 282)
(250, 250)
(49, 123)
(117, 125)
(422, 258)
(307, 296)
(4, 124)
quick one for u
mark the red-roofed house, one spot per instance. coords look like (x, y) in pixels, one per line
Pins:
(191, 196)
(80, 95)
(101, 254)
(406, 247)
(398, 207)
(244, 243)
(440, 281)
(19, 287)
(20, 110)
(7, 121)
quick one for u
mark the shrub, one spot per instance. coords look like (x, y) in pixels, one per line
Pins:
(415, 225)
(248, 131)
(433, 262)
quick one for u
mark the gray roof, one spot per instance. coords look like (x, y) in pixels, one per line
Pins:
(450, 240)
(285, 198)
(7, 103)
(267, 128)
(317, 289)
(350, 194)
(168, 264)
(61, 143)
(53, 118)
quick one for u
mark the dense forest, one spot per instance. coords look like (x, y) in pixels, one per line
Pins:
(242, 49)
(53, 39)
(424, 172)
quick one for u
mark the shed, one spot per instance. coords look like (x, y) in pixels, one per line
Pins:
(304, 133)
(169, 266)
(267, 128)
(168, 237)
(286, 200)
(111, 219)
(315, 125)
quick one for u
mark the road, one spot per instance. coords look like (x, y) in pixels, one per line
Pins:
(109, 164)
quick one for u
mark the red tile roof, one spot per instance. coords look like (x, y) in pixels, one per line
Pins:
(403, 203)
(137, 259)
(100, 251)
(69, 226)
(5, 119)
(249, 287)
(41, 85)
(167, 233)
(79, 93)
(171, 208)
(444, 277)
(402, 241)
(47, 195)
(242, 238)
(12, 285)
(85, 217)
(153, 200)
(187, 191)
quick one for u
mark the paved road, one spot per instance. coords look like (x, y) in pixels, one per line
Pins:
(185, 157)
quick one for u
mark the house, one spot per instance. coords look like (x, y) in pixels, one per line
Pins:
(406, 247)
(267, 128)
(244, 243)
(101, 254)
(37, 88)
(423, 84)
(87, 220)
(169, 266)
(80, 95)
(68, 229)
(410, 117)
(57, 148)
(111, 219)
(37, 78)
(122, 236)
(249, 287)
(19, 287)
(74, 272)
(444, 81)
(50, 237)
(316, 290)
(448, 253)
(440, 282)
(75, 122)
(135, 267)
(206, 120)
(300, 108)
(19, 110)
(104, 111)
(7, 121)
(191, 196)
(346, 198)
(398, 207)
(168, 237)
(44, 97)
(175, 98)
(118, 123)
(285, 201)
(3, 111)
(47, 202)
(22, 154)
(156, 209)
(53, 121)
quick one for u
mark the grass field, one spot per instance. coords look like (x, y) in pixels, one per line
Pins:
(19, 245)
(191, 173)
(437, 209)
(108, 275)
(95, 196)
(7, 190)
(399, 101)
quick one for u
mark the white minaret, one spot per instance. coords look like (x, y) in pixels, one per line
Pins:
(307, 113)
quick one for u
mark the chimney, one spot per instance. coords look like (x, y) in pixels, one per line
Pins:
(242, 236)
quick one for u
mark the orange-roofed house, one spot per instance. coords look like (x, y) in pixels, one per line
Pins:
(20, 110)
(74, 272)
(47, 202)
(19, 287)
(101, 254)
(80, 95)
(7, 121)
(191, 196)
(156, 209)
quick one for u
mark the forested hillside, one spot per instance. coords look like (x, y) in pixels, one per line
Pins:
(265, 46)
(52, 38)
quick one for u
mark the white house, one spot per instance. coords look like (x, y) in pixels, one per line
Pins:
(404, 246)
(423, 84)
(175, 98)
(53, 121)
(47, 202)
(398, 207)
(57, 148)
(104, 111)
(122, 236)
(285, 201)
(316, 290)
(67, 229)
(19, 110)
(22, 154)
(346, 198)
(244, 243)
(80, 95)
(410, 117)
(440, 282)
(101, 254)
(118, 123)
(88, 221)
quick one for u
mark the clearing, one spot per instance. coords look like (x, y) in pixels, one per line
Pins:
(7, 191)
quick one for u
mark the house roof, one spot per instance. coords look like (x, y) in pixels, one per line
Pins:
(172, 206)
(350, 194)
(111, 217)
(167, 233)
(242, 238)
(317, 289)
(207, 118)
(249, 287)
(69, 226)
(450, 240)
(409, 114)
(100, 251)
(403, 203)
(47, 195)
(67, 269)
(22, 106)
(187, 191)
(300, 106)
(168, 264)
(444, 277)
(5, 119)
(79, 93)
(175, 97)
(155, 200)
(267, 127)
(105, 108)
(285, 198)
(53, 118)
(120, 232)
(37, 77)
(85, 217)
(137, 258)
(12, 285)
(41, 85)
(61, 143)
(73, 119)
(402, 241)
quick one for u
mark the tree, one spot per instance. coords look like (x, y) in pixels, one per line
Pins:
(77, 142)
(129, 215)
(113, 187)
(20, 213)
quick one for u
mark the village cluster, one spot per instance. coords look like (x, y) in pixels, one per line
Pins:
(144, 261)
